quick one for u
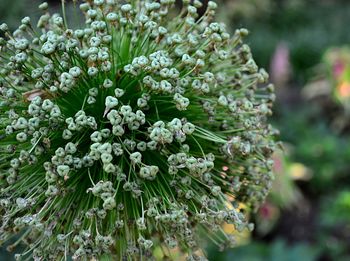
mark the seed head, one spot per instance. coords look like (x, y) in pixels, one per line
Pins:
(140, 128)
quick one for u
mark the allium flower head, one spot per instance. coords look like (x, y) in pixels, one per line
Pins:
(131, 132)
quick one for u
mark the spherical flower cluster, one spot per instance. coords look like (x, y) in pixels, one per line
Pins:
(142, 129)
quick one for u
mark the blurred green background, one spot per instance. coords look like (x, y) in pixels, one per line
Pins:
(303, 44)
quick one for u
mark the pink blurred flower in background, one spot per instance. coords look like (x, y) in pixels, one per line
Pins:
(280, 68)
(338, 68)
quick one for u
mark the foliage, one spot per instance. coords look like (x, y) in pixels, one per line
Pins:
(10, 11)
(308, 27)
(276, 250)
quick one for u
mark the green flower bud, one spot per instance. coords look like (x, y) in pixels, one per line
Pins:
(136, 157)
(111, 102)
(63, 170)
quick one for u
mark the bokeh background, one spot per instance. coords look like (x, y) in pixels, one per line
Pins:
(305, 46)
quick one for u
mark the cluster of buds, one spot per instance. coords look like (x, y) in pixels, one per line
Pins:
(143, 128)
